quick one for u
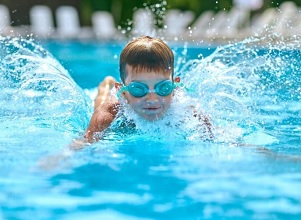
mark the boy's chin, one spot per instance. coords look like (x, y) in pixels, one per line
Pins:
(152, 118)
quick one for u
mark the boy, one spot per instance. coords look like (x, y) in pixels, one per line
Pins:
(147, 73)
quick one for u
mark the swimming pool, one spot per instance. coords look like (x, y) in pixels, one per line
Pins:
(251, 92)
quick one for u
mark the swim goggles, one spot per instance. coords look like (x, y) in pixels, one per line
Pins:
(138, 89)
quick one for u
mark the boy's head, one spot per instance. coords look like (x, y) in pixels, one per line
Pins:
(146, 53)
(146, 70)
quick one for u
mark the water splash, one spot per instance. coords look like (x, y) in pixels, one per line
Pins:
(234, 86)
(238, 81)
(237, 87)
(38, 90)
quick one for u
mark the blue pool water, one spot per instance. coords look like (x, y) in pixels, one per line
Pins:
(251, 170)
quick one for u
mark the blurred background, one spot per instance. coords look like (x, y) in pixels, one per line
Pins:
(185, 17)
(122, 10)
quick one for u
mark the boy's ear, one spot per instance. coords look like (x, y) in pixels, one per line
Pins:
(118, 86)
(177, 79)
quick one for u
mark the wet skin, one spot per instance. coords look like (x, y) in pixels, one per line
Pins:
(151, 106)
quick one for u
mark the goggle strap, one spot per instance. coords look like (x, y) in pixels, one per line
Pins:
(180, 84)
(121, 90)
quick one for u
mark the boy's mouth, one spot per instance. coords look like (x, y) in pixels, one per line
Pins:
(152, 113)
(152, 108)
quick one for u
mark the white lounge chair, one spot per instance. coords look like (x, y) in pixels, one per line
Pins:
(297, 23)
(41, 21)
(68, 24)
(263, 23)
(202, 24)
(249, 5)
(176, 22)
(103, 25)
(217, 25)
(237, 20)
(228, 25)
(67, 20)
(288, 19)
(143, 23)
(5, 19)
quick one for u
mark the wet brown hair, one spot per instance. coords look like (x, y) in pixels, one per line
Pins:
(146, 53)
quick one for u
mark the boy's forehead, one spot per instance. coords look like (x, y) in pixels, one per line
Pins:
(136, 70)
(144, 75)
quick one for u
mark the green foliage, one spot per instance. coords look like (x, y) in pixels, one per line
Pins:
(200, 6)
(123, 10)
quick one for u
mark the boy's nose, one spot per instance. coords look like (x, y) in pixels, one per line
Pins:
(151, 96)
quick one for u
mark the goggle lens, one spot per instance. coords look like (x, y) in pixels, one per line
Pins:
(163, 88)
(137, 89)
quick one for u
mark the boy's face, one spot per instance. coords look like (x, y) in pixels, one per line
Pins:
(151, 106)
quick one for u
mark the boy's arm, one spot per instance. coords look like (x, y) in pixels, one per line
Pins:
(105, 110)
(101, 119)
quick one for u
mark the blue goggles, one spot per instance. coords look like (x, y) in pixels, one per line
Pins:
(138, 89)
